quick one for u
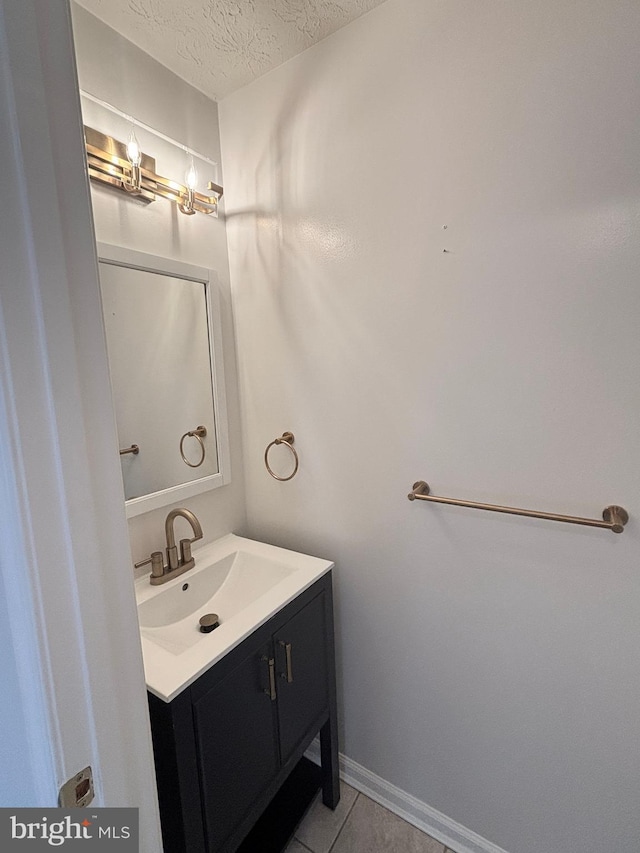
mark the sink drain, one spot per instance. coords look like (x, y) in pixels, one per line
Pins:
(209, 622)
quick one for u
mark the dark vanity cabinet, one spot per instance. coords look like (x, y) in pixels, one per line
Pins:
(225, 745)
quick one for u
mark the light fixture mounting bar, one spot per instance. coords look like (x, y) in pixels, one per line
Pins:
(108, 164)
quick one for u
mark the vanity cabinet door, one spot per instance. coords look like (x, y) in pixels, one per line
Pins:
(301, 656)
(236, 738)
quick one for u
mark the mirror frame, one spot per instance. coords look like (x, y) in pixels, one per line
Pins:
(119, 256)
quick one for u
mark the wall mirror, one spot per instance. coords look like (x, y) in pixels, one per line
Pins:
(163, 330)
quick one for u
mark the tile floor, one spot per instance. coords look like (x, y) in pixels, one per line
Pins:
(358, 825)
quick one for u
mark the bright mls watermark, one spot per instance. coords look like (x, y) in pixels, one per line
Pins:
(109, 829)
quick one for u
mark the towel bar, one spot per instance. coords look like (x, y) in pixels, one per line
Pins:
(614, 517)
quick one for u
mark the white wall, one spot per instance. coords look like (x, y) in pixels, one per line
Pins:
(489, 663)
(114, 70)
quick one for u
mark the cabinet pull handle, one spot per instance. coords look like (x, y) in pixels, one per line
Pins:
(271, 690)
(287, 651)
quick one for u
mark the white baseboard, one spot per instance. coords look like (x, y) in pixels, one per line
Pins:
(418, 814)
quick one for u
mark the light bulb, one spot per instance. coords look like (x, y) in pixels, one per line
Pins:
(191, 176)
(133, 150)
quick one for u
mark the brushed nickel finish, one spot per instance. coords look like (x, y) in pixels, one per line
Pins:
(271, 690)
(157, 564)
(614, 517)
(287, 438)
(198, 433)
(108, 164)
(175, 565)
(288, 675)
(209, 622)
(133, 449)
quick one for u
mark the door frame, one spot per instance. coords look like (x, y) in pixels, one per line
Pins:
(71, 659)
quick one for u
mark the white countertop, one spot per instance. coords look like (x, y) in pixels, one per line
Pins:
(177, 653)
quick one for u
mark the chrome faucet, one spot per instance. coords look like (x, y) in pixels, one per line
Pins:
(175, 566)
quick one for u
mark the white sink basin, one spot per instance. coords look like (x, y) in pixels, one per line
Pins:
(227, 585)
(243, 581)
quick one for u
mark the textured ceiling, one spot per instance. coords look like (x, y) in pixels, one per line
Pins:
(220, 45)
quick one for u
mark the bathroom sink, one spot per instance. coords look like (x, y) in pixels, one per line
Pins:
(226, 585)
(243, 581)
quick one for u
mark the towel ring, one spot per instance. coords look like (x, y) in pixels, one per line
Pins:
(198, 433)
(287, 439)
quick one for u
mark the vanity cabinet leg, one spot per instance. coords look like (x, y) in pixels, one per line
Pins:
(329, 762)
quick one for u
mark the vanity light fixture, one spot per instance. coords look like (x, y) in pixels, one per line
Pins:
(127, 168)
(190, 179)
(134, 155)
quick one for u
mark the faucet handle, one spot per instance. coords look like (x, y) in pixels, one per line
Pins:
(172, 558)
(185, 550)
(157, 564)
